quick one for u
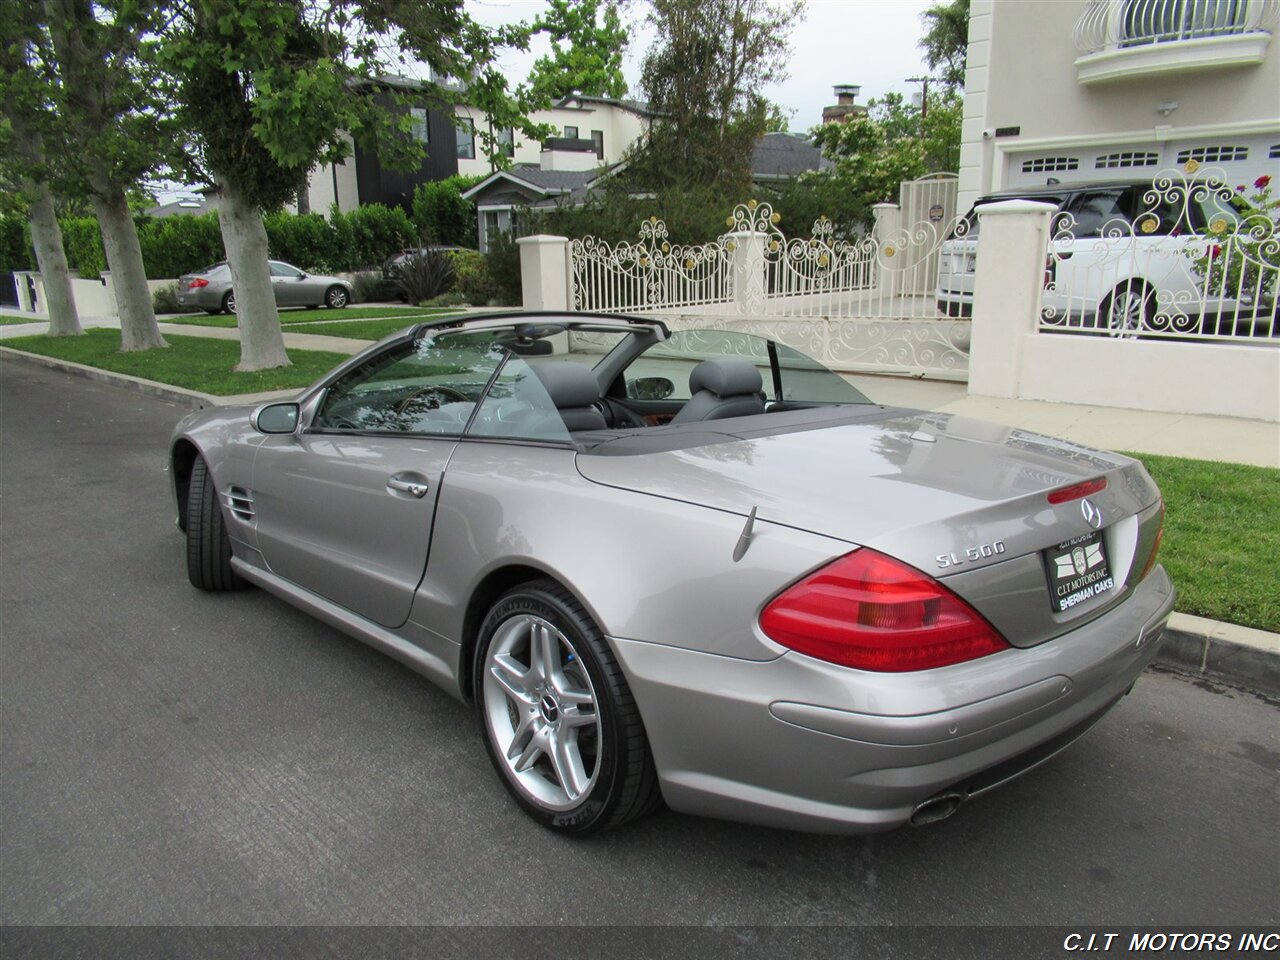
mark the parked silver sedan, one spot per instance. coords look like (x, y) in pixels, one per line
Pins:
(210, 289)
(693, 567)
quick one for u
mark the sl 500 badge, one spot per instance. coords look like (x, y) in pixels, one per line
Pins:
(971, 554)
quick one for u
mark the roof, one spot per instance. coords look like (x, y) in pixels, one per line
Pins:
(638, 107)
(532, 179)
(189, 205)
(779, 155)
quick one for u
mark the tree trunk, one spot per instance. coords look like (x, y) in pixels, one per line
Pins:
(46, 237)
(138, 329)
(245, 240)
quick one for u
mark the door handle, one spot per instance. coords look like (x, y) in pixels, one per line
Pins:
(415, 488)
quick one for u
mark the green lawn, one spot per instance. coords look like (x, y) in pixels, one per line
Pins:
(1221, 538)
(197, 363)
(10, 320)
(288, 317)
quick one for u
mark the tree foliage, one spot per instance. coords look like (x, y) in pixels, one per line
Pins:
(703, 79)
(586, 51)
(946, 40)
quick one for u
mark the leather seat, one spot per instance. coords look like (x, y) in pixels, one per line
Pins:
(574, 390)
(720, 389)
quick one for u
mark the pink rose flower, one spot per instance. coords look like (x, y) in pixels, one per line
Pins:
(1262, 182)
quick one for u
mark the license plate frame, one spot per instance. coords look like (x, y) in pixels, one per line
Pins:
(1077, 570)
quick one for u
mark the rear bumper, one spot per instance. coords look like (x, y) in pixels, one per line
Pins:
(802, 744)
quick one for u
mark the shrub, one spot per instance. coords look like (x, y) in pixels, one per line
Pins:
(15, 245)
(165, 300)
(82, 241)
(473, 281)
(369, 235)
(503, 264)
(424, 275)
(367, 285)
(306, 240)
(172, 246)
(441, 215)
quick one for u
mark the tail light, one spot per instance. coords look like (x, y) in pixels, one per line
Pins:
(1155, 547)
(1078, 490)
(871, 612)
(197, 283)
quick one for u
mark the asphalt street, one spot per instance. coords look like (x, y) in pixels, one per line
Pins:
(172, 757)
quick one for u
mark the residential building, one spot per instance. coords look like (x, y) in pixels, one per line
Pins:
(454, 145)
(1090, 90)
(844, 109)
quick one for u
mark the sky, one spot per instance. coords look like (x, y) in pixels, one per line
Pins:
(867, 42)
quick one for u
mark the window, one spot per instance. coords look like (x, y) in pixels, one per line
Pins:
(1050, 164)
(1157, 21)
(1098, 213)
(518, 406)
(1127, 158)
(570, 133)
(429, 386)
(597, 137)
(1275, 152)
(418, 127)
(467, 139)
(1215, 154)
(506, 142)
(279, 269)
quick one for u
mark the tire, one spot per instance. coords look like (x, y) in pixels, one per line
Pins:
(208, 546)
(584, 715)
(1128, 310)
(335, 298)
(229, 302)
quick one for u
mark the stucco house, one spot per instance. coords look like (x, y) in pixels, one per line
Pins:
(1086, 90)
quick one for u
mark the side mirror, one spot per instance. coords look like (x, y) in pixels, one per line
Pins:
(303, 275)
(650, 388)
(276, 418)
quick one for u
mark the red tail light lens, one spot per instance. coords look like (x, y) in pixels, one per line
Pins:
(1078, 490)
(1155, 547)
(871, 612)
(197, 283)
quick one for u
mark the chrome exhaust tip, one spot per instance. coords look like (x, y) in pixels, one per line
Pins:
(936, 808)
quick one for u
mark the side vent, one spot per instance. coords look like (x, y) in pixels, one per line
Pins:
(240, 502)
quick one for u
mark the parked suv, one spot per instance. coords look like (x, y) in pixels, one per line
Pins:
(1125, 257)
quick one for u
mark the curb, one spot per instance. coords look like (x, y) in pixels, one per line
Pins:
(1195, 646)
(191, 399)
(1210, 650)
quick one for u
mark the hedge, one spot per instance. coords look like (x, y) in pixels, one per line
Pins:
(172, 246)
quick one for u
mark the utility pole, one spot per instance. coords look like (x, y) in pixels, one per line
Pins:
(924, 94)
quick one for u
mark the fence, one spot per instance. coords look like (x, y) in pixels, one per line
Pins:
(1186, 258)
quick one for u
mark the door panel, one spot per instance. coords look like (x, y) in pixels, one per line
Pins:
(340, 516)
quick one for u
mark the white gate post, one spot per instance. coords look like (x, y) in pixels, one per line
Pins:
(545, 273)
(746, 261)
(24, 291)
(1013, 238)
(888, 225)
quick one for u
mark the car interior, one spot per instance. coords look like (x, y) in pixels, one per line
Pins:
(585, 383)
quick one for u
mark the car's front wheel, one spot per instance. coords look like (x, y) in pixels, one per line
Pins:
(208, 546)
(229, 302)
(558, 719)
(1128, 310)
(336, 297)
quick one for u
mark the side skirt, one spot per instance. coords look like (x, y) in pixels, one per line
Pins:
(441, 669)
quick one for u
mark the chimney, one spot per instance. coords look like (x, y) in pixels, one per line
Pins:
(846, 93)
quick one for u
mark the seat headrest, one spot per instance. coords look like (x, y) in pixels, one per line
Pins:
(725, 378)
(568, 384)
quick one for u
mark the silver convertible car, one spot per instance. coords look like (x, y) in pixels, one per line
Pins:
(694, 567)
(210, 289)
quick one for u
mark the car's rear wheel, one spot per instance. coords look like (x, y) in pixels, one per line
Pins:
(208, 546)
(229, 302)
(558, 719)
(1128, 309)
(336, 297)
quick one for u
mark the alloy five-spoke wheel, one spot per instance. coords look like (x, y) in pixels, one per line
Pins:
(541, 712)
(559, 721)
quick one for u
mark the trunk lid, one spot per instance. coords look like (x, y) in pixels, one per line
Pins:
(951, 496)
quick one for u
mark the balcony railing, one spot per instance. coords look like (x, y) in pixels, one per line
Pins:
(1120, 24)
